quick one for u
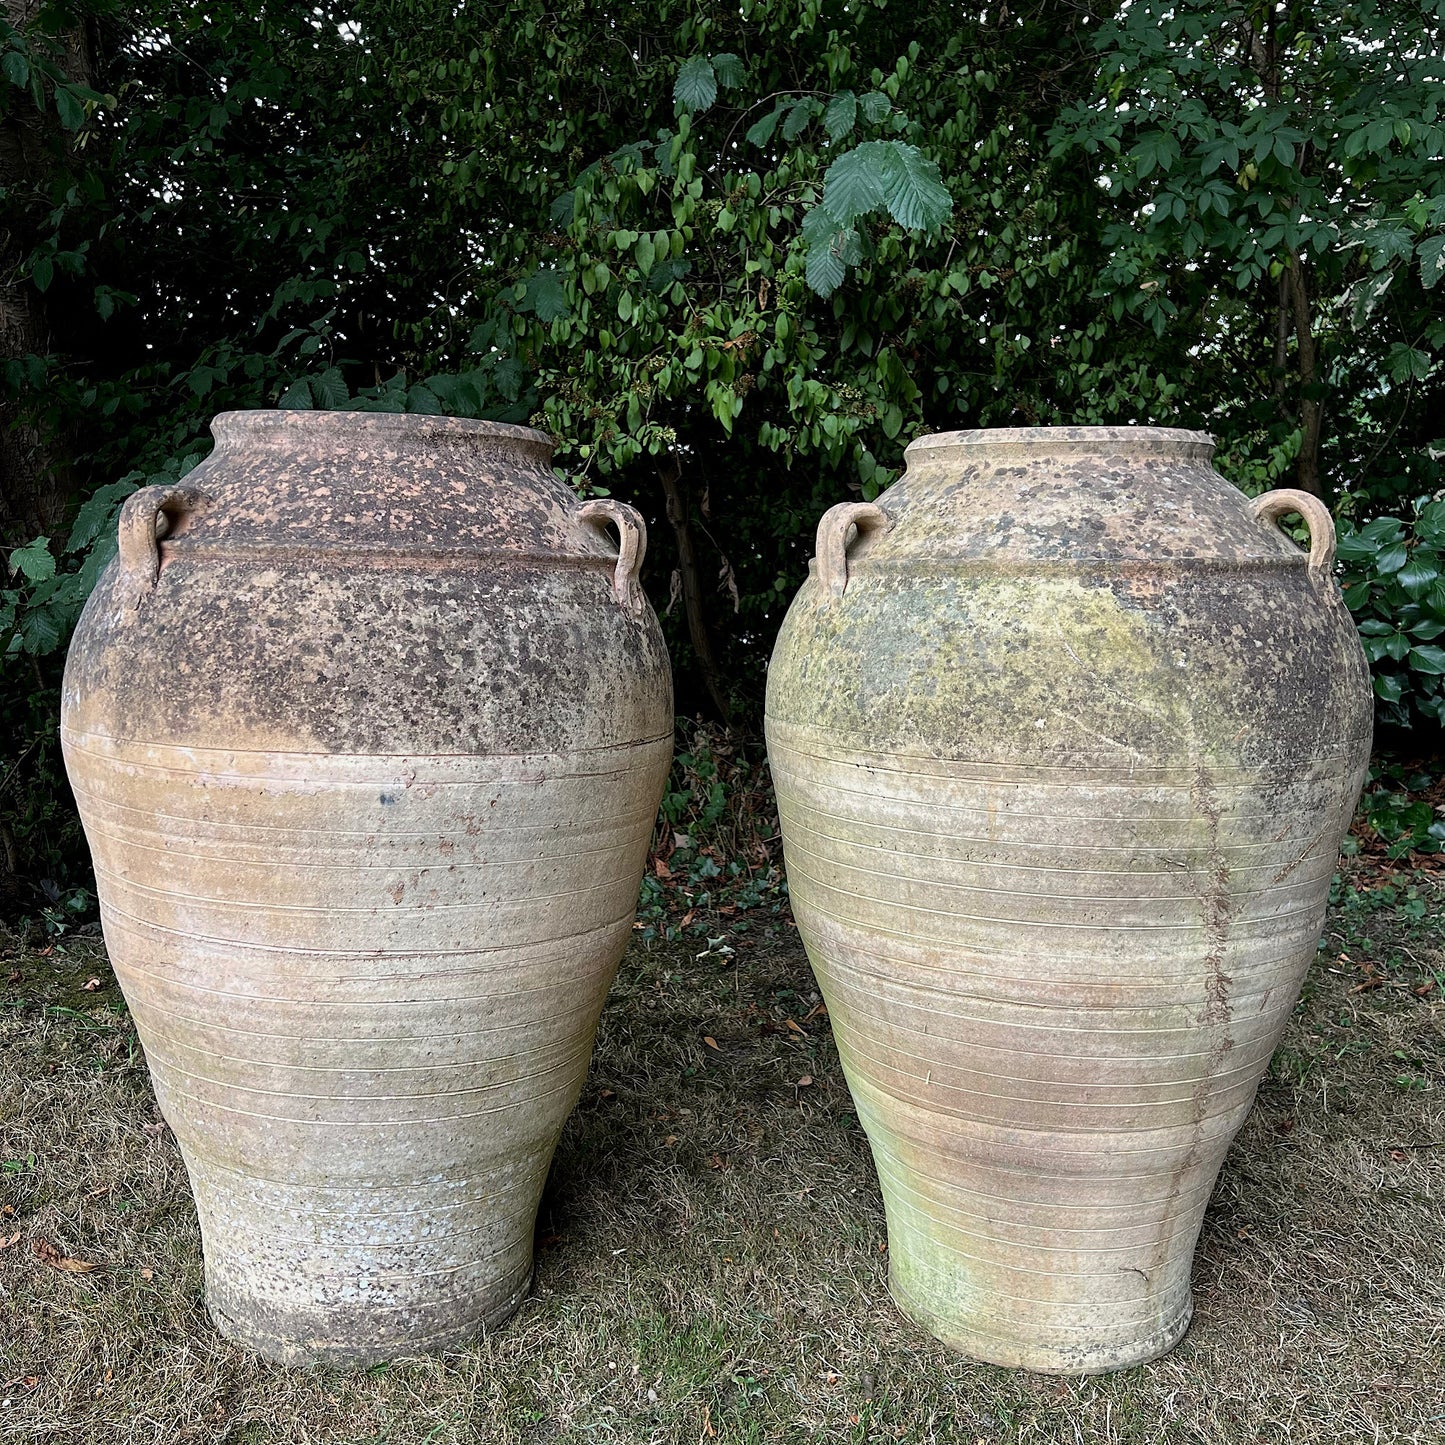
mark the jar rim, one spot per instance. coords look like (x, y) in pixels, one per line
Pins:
(233, 425)
(1144, 441)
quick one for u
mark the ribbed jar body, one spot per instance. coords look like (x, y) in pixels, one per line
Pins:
(1065, 742)
(368, 749)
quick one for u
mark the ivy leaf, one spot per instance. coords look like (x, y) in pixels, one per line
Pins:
(1420, 572)
(915, 194)
(1430, 524)
(1391, 559)
(729, 70)
(696, 87)
(1429, 659)
(34, 560)
(16, 68)
(841, 115)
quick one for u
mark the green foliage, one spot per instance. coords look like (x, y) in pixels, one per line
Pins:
(1260, 135)
(1394, 583)
(1276, 185)
(1398, 806)
(716, 846)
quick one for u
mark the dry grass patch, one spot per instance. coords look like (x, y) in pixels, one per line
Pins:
(711, 1250)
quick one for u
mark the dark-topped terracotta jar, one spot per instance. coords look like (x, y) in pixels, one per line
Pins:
(1065, 734)
(368, 722)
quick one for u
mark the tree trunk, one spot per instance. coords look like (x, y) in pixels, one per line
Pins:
(1307, 465)
(35, 480)
(669, 473)
(1282, 326)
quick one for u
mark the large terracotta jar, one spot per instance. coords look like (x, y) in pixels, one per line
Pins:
(368, 747)
(1065, 733)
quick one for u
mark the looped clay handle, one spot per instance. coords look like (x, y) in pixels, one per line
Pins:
(1271, 506)
(146, 517)
(631, 546)
(832, 545)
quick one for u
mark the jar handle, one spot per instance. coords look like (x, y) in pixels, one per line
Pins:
(832, 544)
(147, 516)
(1271, 506)
(631, 546)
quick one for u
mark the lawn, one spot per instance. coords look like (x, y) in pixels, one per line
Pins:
(711, 1251)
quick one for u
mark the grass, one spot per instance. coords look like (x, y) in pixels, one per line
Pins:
(711, 1250)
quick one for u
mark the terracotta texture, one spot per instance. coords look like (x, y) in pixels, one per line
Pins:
(1065, 734)
(368, 749)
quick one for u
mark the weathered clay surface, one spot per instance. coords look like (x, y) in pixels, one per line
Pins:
(368, 751)
(1064, 747)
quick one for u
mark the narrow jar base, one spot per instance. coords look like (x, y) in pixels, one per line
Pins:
(1038, 1355)
(297, 1342)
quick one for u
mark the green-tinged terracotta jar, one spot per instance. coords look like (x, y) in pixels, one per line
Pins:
(1065, 733)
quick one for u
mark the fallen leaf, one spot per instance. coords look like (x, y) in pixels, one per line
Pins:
(707, 1428)
(155, 1130)
(797, 1028)
(805, 1081)
(147, 1274)
(669, 1141)
(47, 1253)
(90, 985)
(710, 1042)
(661, 869)
(820, 1011)
(6, 1243)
